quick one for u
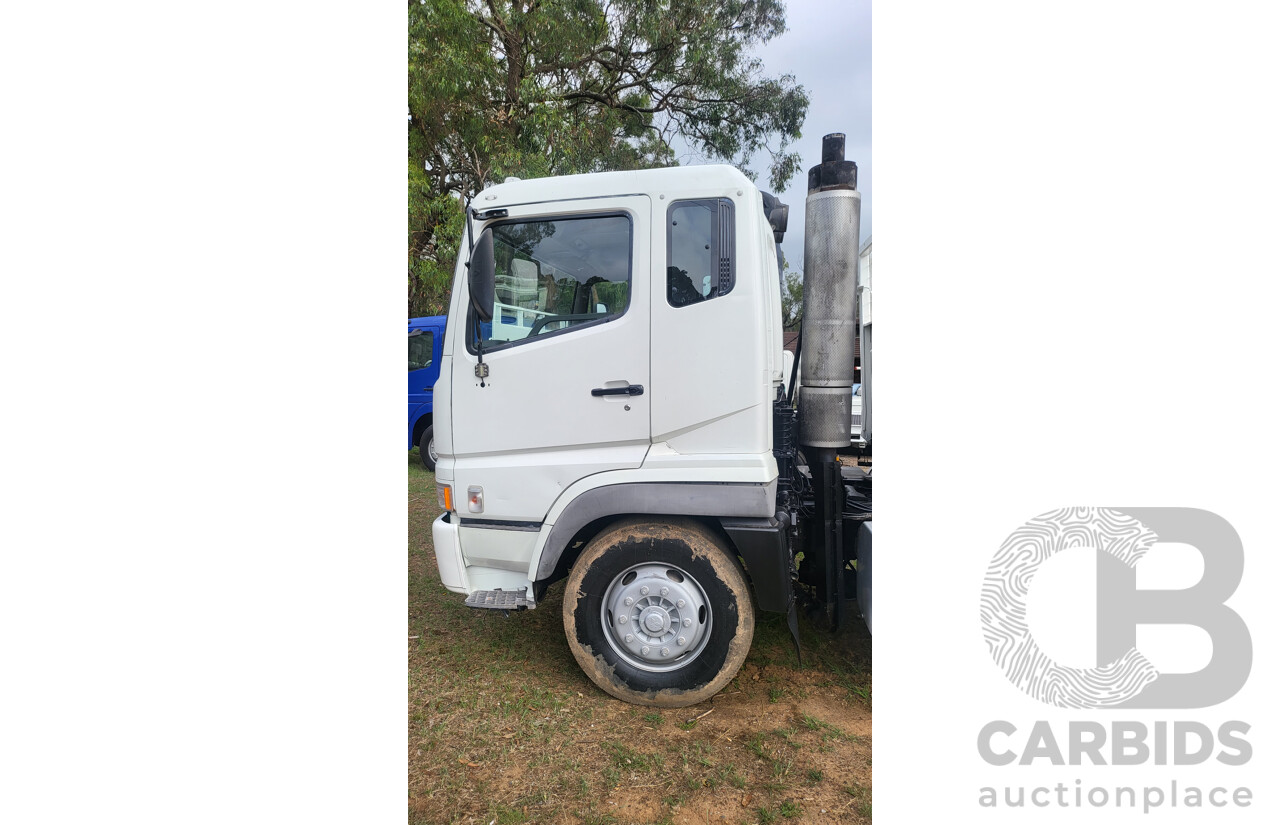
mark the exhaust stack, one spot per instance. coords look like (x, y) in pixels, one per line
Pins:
(829, 330)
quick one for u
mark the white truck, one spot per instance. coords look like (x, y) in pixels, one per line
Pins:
(612, 409)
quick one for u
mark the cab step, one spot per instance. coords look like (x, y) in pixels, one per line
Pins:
(500, 599)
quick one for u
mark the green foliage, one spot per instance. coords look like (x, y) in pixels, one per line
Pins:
(792, 301)
(547, 87)
(438, 222)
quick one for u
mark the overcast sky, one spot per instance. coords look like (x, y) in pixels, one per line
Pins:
(827, 46)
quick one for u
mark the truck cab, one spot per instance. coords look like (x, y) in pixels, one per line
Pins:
(426, 343)
(610, 410)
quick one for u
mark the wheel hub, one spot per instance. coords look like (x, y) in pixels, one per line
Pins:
(655, 616)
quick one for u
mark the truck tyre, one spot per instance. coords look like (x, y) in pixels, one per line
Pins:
(658, 613)
(427, 448)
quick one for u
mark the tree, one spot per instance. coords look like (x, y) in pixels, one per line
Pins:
(792, 301)
(547, 87)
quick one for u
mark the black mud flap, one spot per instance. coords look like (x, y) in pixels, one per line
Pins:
(762, 544)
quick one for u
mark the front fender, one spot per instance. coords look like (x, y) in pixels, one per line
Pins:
(744, 500)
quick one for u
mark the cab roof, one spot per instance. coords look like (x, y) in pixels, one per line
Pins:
(683, 179)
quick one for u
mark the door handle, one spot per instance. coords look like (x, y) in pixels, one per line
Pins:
(633, 389)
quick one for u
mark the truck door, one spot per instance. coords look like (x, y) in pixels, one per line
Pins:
(567, 392)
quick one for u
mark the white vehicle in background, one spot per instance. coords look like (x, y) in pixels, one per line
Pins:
(855, 427)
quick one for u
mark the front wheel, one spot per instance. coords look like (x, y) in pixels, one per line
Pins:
(427, 448)
(658, 614)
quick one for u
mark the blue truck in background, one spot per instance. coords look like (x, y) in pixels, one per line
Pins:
(426, 337)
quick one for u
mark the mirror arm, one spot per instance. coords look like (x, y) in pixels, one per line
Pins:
(471, 247)
(471, 242)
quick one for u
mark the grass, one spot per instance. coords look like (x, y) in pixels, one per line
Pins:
(505, 728)
(629, 759)
(862, 798)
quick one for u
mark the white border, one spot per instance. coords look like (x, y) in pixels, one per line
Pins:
(1076, 303)
(202, 591)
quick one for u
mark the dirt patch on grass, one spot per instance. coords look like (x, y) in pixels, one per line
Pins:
(505, 728)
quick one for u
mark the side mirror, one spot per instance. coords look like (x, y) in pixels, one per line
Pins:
(775, 211)
(480, 275)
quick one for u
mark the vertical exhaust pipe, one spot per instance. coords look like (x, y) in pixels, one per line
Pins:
(831, 225)
(829, 332)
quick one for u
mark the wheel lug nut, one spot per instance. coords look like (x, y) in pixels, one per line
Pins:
(630, 639)
(622, 619)
(680, 641)
(664, 591)
(679, 602)
(628, 601)
(645, 650)
(644, 591)
(666, 651)
(688, 622)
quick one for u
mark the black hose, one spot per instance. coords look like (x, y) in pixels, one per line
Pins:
(795, 369)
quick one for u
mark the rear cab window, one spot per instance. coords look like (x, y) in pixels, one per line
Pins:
(700, 264)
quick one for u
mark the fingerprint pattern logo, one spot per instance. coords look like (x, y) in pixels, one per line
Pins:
(1004, 607)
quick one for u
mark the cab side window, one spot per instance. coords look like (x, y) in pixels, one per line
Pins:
(555, 275)
(700, 262)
